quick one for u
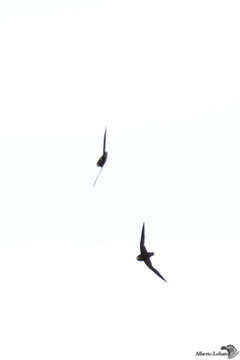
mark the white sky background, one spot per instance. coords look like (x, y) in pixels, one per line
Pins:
(164, 78)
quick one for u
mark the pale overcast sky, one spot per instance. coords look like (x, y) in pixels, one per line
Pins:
(164, 78)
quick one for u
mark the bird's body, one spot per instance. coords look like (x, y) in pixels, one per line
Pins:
(145, 255)
(102, 159)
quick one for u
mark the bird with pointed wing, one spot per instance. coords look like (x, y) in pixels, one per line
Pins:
(145, 255)
(102, 160)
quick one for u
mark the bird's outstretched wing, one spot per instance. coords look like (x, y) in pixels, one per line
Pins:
(104, 141)
(142, 247)
(97, 176)
(149, 264)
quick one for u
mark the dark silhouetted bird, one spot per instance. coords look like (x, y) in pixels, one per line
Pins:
(145, 255)
(103, 158)
(101, 161)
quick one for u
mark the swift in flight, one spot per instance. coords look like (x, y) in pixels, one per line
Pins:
(102, 160)
(145, 255)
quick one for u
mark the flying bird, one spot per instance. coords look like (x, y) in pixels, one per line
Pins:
(103, 158)
(145, 255)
